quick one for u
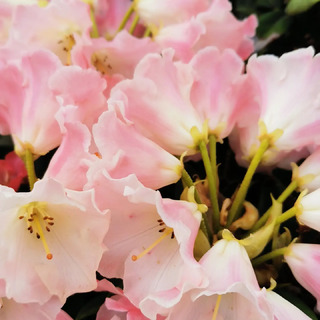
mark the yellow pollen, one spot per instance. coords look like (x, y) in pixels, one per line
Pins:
(34, 212)
(216, 308)
(166, 232)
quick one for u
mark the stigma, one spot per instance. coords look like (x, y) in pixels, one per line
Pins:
(38, 222)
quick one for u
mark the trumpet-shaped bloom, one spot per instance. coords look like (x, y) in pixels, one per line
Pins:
(50, 243)
(115, 59)
(309, 210)
(283, 94)
(52, 27)
(198, 96)
(304, 262)
(150, 243)
(24, 97)
(125, 151)
(232, 292)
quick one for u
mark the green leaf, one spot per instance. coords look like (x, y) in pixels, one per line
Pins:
(273, 22)
(299, 6)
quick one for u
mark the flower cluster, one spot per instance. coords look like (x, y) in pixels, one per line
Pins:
(128, 94)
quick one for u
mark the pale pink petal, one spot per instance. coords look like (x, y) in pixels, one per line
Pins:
(214, 89)
(72, 160)
(25, 93)
(310, 166)
(136, 154)
(89, 101)
(159, 84)
(223, 30)
(12, 310)
(163, 13)
(304, 262)
(283, 309)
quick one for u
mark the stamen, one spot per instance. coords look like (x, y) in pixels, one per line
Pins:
(33, 212)
(43, 239)
(144, 252)
(216, 308)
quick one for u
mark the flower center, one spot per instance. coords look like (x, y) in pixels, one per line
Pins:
(165, 232)
(38, 221)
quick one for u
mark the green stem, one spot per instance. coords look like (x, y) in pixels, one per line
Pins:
(268, 256)
(126, 17)
(287, 215)
(242, 192)
(147, 32)
(204, 221)
(287, 192)
(213, 155)
(134, 24)
(189, 183)
(29, 163)
(212, 186)
(94, 32)
(284, 195)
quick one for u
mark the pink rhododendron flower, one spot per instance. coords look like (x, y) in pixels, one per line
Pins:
(204, 24)
(154, 277)
(12, 171)
(115, 59)
(52, 27)
(125, 151)
(283, 94)
(304, 262)
(50, 243)
(232, 292)
(195, 98)
(25, 92)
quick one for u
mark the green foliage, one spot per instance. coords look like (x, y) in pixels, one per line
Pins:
(299, 6)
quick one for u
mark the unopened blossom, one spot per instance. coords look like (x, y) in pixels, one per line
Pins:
(50, 243)
(124, 150)
(280, 100)
(52, 27)
(304, 262)
(307, 173)
(309, 210)
(150, 243)
(24, 95)
(195, 99)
